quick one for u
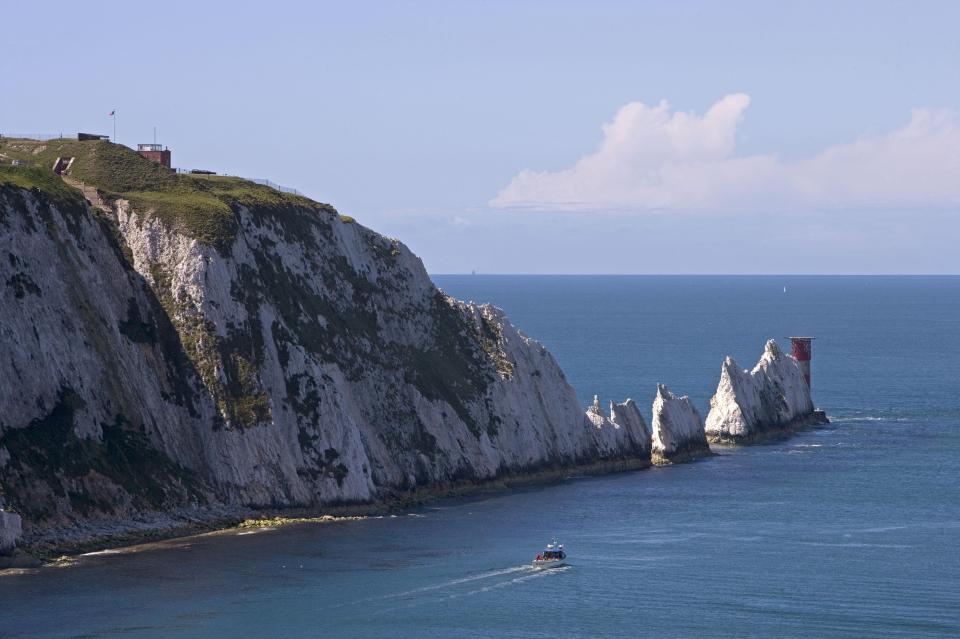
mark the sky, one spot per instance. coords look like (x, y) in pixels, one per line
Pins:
(541, 137)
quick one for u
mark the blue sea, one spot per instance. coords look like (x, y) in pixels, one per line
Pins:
(849, 530)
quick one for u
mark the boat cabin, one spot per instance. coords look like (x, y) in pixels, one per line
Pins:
(553, 551)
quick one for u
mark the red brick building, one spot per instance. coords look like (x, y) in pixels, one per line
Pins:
(155, 153)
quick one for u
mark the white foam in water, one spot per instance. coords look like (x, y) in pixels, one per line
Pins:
(440, 586)
(97, 553)
(853, 544)
(532, 573)
(535, 574)
(464, 580)
(884, 529)
(853, 419)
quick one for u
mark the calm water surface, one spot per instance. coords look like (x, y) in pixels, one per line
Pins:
(850, 530)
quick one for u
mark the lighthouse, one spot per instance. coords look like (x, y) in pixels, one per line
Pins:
(801, 348)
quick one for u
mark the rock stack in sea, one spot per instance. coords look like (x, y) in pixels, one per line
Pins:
(678, 433)
(773, 399)
(624, 427)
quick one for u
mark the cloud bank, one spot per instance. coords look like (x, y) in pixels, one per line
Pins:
(652, 158)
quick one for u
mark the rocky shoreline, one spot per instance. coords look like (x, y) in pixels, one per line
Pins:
(55, 546)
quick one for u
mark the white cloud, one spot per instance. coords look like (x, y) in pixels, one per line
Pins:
(652, 158)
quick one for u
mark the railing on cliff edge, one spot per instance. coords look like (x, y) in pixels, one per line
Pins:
(40, 137)
(274, 185)
(263, 182)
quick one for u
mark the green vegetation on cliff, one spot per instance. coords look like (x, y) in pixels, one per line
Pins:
(333, 304)
(200, 205)
(32, 177)
(52, 461)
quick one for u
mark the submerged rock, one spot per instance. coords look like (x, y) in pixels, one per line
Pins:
(678, 433)
(770, 400)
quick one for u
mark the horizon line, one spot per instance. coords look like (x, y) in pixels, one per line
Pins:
(431, 273)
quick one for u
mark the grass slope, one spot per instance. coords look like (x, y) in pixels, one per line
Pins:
(31, 177)
(202, 206)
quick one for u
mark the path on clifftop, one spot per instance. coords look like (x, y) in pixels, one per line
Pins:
(90, 193)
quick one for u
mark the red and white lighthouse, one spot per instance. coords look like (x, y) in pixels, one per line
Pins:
(801, 347)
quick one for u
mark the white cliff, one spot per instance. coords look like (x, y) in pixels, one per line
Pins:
(300, 361)
(10, 530)
(678, 433)
(773, 398)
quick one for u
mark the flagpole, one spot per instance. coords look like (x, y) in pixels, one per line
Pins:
(114, 115)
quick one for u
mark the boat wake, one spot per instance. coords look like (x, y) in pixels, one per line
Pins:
(465, 586)
(853, 419)
(533, 574)
(464, 580)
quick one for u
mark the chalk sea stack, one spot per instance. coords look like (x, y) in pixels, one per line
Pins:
(678, 433)
(624, 426)
(771, 400)
(185, 348)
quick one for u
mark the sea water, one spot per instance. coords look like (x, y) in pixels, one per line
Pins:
(849, 530)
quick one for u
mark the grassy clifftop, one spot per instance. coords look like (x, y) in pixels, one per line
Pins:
(200, 205)
(33, 177)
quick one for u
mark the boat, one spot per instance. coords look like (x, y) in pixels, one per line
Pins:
(551, 556)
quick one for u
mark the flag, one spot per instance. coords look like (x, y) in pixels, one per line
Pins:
(112, 112)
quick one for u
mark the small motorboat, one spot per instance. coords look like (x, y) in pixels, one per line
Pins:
(551, 556)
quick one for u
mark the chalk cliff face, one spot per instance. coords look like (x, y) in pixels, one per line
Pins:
(678, 433)
(10, 530)
(305, 361)
(770, 399)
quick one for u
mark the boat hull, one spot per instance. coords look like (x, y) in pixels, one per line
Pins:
(549, 563)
